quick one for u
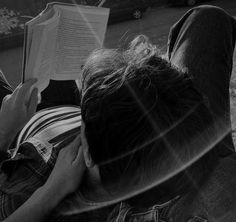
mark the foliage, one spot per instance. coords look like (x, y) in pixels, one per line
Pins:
(9, 20)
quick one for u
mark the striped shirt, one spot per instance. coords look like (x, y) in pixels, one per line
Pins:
(34, 157)
(35, 154)
(50, 130)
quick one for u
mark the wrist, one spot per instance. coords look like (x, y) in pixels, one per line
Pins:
(46, 199)
(52, 194)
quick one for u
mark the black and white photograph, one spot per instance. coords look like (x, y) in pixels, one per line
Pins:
(117, 111)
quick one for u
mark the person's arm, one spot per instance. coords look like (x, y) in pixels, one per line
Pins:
(17, 108)
(64, 179)
(37, 207)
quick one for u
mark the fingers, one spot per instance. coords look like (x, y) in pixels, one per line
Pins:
(13, 96)
(26, 86)
(75, 147)
(23, 90)
(79, 160)
(33, 102)
(6, 98)
(83, 137)
(71, 150)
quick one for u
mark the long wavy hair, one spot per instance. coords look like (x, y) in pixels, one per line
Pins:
(140, 110)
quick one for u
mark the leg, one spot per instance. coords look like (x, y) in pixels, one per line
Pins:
(60, 93)
(5, 87)
(202, 44)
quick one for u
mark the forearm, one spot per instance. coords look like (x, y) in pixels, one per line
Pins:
(38, 207)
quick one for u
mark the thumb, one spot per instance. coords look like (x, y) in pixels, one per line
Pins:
(33, 102)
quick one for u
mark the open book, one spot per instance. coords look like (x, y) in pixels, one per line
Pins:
(58, 41)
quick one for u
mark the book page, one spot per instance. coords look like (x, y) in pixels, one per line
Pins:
(29, 28)
(40, 64)
(81, 30)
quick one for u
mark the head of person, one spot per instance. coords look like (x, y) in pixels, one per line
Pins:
(140, 112)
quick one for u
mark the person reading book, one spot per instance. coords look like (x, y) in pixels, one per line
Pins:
(121, 91)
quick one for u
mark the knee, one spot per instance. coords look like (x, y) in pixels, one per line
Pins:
(211, 13)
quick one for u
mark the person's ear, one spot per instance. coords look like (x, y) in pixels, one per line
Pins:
(88, 160)
(87, 157)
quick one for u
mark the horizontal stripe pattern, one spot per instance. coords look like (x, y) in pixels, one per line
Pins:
(51, 128)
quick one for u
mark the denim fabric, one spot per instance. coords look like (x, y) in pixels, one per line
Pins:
(201, 43)
(214, 201)
(20, 180)
(197, 219)
(40, 143)
(157, 213)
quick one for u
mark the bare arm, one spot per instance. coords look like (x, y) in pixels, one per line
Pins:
(37, 207)
(64, 179)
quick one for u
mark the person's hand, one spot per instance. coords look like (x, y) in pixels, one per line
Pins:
(68, 170)
(17, 108)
